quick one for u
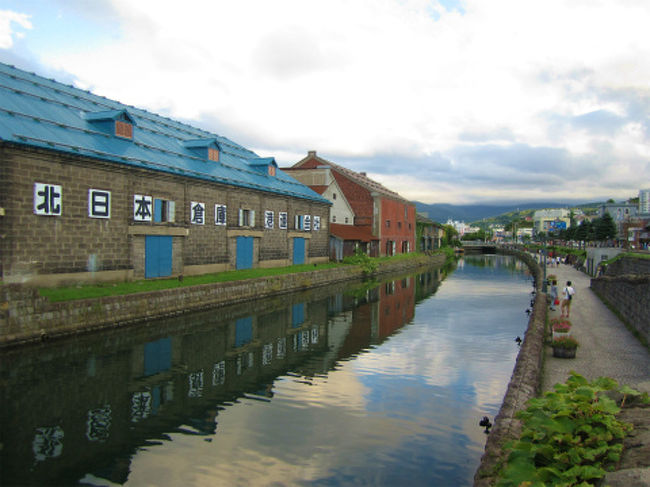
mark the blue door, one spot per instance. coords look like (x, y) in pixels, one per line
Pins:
(157, 256)
(243, 331)
(157, 356)
(244, 252)
(298, 250)
(297, 315)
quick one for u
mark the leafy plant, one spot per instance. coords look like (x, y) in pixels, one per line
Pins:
(360, 258)
(565, 342)
(570, 436)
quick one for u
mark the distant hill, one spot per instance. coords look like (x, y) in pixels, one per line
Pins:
(441, 212)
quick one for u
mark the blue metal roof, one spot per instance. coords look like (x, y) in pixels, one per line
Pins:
(40, 112)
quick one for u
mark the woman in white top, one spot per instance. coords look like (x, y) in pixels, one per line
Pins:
(567, 296)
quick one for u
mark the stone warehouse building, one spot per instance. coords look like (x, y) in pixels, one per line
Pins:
(93, 190)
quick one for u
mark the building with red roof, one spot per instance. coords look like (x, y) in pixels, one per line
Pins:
(364, 213)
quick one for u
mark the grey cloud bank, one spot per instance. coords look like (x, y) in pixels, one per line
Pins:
(442, 102)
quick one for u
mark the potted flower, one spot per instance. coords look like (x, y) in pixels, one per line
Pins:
(564, 347)
(561, 327)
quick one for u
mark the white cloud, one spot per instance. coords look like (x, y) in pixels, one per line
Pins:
(388, 79)
(7, 32)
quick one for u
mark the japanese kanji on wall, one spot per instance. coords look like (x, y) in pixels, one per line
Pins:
(197, 213)
(48, 199)
(269, 219)
(282, 220)
(99, 203)
(219, 214)
(142, 208)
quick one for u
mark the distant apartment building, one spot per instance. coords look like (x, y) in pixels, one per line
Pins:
(461, 227)
(498, 233)
(619, 211)
(622, 213)
(644, 202)
(551, 220)
(636, 230)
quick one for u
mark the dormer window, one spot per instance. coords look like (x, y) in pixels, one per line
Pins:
(266, 165)
(112, 122)
(204, 148)
(123, 129)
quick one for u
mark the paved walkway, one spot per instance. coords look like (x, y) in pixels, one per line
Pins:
(606, 348)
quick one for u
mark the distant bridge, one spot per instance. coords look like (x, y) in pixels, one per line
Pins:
(479, 247)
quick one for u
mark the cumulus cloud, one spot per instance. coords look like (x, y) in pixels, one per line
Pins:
(427, 96)
(8, 21)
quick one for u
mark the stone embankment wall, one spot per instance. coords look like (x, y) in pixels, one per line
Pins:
(629, 266)
(26, 316)
(625, 287)
(524, 383)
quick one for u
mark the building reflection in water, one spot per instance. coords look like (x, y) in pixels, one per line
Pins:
(87, 405)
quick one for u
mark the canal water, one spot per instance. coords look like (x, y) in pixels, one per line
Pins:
(368, 384)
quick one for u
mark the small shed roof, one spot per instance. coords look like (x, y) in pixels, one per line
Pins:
(352, 232)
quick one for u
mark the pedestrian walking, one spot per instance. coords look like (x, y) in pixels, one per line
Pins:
(553, 294)
(567, 295)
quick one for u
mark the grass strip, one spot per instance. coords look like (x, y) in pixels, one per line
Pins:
(70, 293)
(89, 291)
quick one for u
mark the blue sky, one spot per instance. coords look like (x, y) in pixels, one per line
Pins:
(450, 101)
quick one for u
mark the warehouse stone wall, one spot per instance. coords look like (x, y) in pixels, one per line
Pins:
(26, 316)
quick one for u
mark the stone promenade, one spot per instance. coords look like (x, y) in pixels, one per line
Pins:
(607, 349)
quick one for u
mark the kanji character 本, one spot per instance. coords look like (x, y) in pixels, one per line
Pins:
(47, 199)
(197, 213)
(142, 208)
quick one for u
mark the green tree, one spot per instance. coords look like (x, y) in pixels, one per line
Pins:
(605, 228)
(480, 235)
(451, 236)
(583, 231)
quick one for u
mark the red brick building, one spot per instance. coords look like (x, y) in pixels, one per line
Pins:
(383, 221)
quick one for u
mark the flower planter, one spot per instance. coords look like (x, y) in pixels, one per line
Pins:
(560, 334)
(561, 352)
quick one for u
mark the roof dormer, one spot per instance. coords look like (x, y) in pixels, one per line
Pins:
(204, 148)
(266, 165)
(113, 122)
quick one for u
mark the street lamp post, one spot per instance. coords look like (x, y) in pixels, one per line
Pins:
(544, 277)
